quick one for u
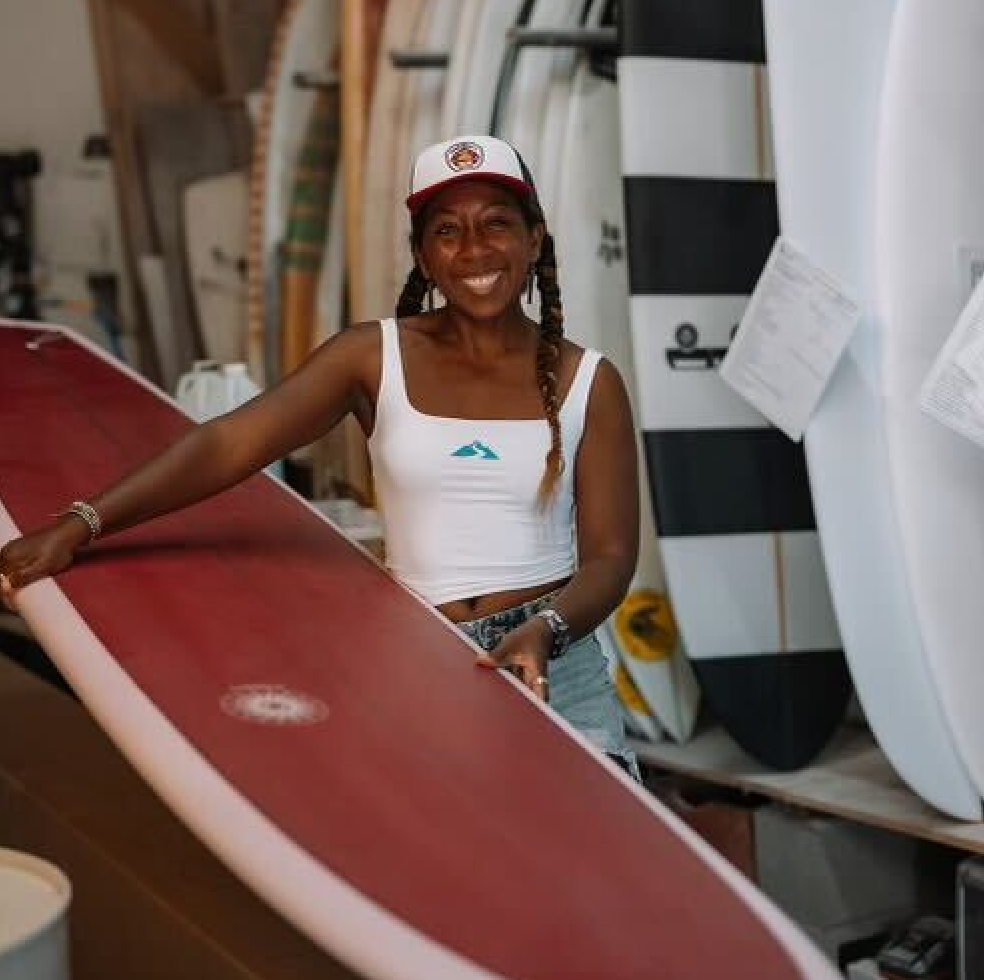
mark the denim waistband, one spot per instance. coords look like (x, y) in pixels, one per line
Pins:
(486, 631)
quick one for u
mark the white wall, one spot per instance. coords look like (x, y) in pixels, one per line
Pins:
(50, 100)
(49, 91)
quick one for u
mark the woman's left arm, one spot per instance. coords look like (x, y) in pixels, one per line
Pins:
(606, 488)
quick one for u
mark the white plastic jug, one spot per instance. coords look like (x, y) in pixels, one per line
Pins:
(211, 389)
(34, 900)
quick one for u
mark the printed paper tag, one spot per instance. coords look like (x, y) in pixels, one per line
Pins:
(795, 328)
(953, 392)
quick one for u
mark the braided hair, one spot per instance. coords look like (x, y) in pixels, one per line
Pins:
(411, 302)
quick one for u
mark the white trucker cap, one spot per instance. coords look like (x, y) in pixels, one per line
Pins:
(464, 158)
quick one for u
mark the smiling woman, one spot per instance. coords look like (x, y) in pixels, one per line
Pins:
(503, 454)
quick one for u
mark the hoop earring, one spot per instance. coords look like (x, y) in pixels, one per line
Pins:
(529, 285)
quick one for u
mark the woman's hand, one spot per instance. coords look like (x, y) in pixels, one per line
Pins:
(41, 553)
(525, 652)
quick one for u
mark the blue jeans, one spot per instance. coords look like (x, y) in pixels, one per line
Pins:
(581, 688)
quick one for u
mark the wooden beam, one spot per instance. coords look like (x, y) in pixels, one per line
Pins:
(184, 37)
(135, 71)
(129, 195)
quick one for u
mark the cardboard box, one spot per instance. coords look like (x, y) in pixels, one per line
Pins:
(842, 882)
(149, 901)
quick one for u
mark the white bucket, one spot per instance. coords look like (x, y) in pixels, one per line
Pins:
(34, 899)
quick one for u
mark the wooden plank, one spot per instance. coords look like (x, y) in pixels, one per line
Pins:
(244, 32)
(362, 22)
(184, 37)
(134, 71)
(125, 172)
(851, 779)
(362, 35)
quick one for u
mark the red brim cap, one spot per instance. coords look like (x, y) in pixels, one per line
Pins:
(466, 158)
(415, 202)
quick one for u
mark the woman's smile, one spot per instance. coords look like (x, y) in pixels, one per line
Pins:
(482, 285)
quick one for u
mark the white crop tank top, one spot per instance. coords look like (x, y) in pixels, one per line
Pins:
(458, 496)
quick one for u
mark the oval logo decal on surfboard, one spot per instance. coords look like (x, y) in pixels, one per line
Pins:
(273, 704)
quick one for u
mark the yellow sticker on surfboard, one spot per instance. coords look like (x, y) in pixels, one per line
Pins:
(637, 713)
(628, 693)
(645, 626)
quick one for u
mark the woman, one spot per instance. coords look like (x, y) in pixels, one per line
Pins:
(503, 455)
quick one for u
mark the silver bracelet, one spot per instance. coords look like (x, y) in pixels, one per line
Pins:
(88, 513)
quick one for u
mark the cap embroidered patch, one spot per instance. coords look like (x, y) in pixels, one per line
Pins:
(464, 156)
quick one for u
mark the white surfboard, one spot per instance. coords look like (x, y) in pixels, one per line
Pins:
(494, 20)
(216, 213)
(553, 137)
(525, 83)
(382, 202)
(429, 85)
(825, 117)
(462, 51)
(435, 31)
(930, 226)
(590, 236)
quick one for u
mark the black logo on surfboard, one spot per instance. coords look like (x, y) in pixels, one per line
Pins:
(610, 248)
(688, 355)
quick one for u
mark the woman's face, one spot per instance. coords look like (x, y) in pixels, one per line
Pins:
(477, 247)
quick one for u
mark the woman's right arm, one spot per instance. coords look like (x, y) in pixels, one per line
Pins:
(216, 455)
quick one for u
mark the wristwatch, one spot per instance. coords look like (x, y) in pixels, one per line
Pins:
(559, 628)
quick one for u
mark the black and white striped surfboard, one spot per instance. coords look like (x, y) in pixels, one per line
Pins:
(731, 495)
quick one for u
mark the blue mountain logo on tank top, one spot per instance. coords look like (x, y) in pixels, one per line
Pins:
(476, 449)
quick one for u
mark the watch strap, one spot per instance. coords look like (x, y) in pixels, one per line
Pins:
(560, 629)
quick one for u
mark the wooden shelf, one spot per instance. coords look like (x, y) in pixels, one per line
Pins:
(851, 779)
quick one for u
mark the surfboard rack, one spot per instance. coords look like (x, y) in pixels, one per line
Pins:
(307, 80)
(598, 40)
(601, 43)
(416, 60)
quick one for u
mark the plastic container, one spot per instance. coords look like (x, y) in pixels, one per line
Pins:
(34, 900)
(211, 389)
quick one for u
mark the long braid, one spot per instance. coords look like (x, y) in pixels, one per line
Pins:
(411, 300)
(547, 364)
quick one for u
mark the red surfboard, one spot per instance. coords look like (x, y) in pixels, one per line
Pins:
(327, 734)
